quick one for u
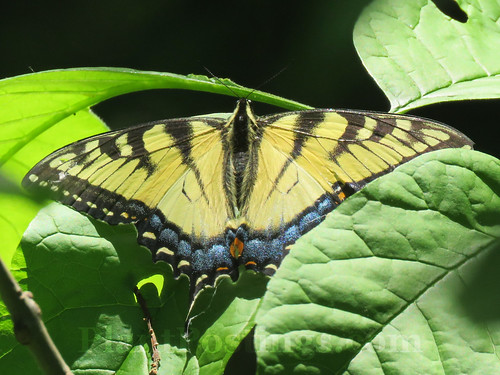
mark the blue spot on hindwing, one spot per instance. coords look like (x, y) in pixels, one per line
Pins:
(325, 205)
(184, 249)
(200, 262)
(169, 238)
(135, 208)
(205, 261)
(155, 222)
(291, 234)
(220, 256)
(263, 252)
(309, 220)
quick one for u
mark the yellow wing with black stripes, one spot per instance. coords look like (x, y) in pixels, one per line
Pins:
(210, 194)
(316, 157)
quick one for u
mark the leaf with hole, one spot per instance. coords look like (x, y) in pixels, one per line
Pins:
(419, 56)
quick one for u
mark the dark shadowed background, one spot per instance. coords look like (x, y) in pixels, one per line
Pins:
(247, 41)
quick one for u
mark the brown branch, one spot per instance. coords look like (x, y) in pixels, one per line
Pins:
(154, 342)
(28, 325)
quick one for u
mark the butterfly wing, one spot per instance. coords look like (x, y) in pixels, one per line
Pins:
(176, 180)
(310, 161)
(168, 178)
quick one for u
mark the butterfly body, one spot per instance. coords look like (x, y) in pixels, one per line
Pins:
(209, 195)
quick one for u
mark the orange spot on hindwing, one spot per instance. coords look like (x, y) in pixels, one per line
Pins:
(236, 248)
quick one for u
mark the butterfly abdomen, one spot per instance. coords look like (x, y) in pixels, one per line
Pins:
(240, 138)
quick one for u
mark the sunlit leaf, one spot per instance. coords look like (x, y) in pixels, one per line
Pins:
(418, 55)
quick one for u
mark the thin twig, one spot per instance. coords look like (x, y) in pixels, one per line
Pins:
(28, 325)
(154, 343)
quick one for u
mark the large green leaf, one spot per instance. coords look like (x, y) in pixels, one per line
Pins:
(82, 273)
(420, 56)
(402, 278)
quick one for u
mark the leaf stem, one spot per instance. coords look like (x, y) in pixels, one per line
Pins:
(28, 325)
(154, 342)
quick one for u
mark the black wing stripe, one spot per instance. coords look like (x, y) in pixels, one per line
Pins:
(183, 137)
(303, 129)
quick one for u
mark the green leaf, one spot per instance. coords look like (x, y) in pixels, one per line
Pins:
(15, 215)
(402, 278)
(419, 56)
(82, 273)
(21, 146)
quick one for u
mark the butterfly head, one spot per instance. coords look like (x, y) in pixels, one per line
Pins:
(243, 111)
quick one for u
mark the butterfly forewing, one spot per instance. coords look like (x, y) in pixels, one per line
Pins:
(152, 166)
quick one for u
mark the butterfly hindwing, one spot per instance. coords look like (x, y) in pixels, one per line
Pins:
(211, 194)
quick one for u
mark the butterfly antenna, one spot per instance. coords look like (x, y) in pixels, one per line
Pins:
(253, 90)
(268, 80)
(220, 81)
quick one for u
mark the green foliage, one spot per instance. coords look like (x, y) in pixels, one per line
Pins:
(401, 278)
(83, 273)
(15, 215)
(419, 56)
